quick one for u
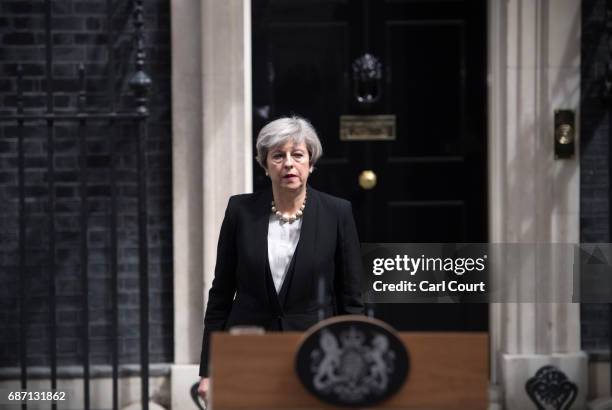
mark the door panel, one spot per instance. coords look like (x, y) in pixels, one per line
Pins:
(425, 85)
(425, 221)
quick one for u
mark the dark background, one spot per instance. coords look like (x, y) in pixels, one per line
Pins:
(432, 178)
(594, 161)
(79, 35)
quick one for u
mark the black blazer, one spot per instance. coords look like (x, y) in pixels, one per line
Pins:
(243, 292)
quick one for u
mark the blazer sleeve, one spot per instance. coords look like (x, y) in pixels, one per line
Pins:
(347, 281)
(221, 294)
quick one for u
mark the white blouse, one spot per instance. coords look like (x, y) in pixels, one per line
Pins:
(283, 238)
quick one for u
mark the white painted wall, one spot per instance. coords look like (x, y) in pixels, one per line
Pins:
(534, 68)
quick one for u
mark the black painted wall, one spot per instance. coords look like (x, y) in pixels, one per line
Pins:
(594, 180)
(79, 35)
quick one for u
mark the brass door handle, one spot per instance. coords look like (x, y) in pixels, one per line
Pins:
(367, 179)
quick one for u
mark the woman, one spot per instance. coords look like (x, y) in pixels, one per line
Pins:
(284, 253)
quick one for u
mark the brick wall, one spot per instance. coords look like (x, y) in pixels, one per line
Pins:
(79, 35)
(594, 178)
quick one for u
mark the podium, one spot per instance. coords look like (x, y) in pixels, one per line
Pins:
(447, 371)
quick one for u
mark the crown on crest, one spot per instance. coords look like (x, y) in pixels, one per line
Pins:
(352, 338)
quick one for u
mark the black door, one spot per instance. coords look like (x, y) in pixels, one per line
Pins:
(431, 180)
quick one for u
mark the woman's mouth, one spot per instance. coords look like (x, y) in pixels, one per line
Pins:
(288, 176)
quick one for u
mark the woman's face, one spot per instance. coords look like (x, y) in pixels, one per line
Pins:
(288, 165)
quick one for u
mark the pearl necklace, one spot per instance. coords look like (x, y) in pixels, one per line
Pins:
(290, 218)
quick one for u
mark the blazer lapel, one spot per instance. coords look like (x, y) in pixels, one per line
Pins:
(299, 276)
(260, 243)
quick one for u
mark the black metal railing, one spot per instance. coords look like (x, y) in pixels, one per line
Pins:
(607, 100)
(139, 84)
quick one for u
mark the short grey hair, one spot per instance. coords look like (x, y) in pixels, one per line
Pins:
(278, 132)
